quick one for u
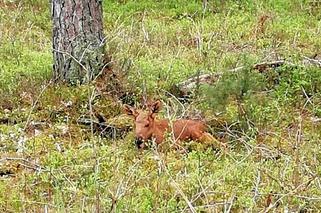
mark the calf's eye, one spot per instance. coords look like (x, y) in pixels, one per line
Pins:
(147, 125)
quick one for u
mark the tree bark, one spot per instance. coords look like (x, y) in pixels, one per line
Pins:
(78, 40)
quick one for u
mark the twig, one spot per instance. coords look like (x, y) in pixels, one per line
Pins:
(66, 178)
(256, 186)
(34, 165)
(146, 36)
(90, 100)
(307, 97)
(205, 2)
(123, 184)
(175, 184)
(35, 202)
(71, 56)
(273, 178)
(231, 204)
(198, 195)
(284, 195)
(175, 98)
(35, 103)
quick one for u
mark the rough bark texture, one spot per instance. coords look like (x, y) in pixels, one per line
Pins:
(78, 40)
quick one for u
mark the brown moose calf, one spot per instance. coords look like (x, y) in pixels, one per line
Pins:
(147, 127)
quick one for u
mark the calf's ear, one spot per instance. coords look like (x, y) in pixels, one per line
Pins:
(155, 107)
(130, 111)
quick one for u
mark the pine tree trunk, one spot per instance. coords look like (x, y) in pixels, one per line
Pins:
(78, 40)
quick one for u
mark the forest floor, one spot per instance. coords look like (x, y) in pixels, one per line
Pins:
(52, 160)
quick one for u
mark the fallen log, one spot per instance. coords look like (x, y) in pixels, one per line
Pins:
(185, 88)
(312, 61)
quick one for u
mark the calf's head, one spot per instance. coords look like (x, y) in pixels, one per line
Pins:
(144, 122)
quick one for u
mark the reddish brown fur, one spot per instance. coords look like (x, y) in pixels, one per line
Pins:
(147, 127)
